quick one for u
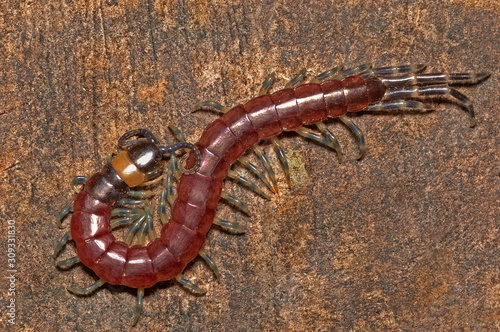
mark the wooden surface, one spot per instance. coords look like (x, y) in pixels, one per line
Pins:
(405, 239)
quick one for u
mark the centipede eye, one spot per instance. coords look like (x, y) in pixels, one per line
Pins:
(172, 148)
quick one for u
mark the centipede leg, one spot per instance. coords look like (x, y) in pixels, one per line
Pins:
(297, 79)
(123, 221)
(138, 306)
(146, 228)
(357, 132)
(140, 193)
(307, 133)
(232, 226)
(61, 215)
(212, 105)
(67, 263)
(366, 72)
(278, 149)
(364, 68)
(266, 85)
(77, 181)
(399, 104)
(326, 133)
(192, 286)
(174, 166)
(267, 166)
(167, 195)
(434, 90)
(210, 262)
(255, 170)
(60, 245)
(136, 226)
(395, 70)
(236, 202)
(418, 78)
(86, 290)
(332, 138)
(247, 183)
(326, 75)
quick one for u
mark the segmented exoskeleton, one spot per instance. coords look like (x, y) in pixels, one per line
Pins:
(105, 201)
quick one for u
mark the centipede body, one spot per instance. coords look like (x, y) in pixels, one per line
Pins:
(222, 143)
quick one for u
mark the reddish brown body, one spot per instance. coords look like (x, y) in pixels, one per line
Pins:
(221, 144)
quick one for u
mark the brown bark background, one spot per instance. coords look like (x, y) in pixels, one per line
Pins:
(405, 239)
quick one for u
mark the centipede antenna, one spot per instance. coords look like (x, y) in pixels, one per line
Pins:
(278, 149)
(236, 202)
(78, 181)
(333, 139)
(247, 183)
(231, 226)
(141, 134)
(169, 150)
(210, 262)
(190, 285)
(138, 306)
(61, 215)
(357, 132)
(60, 245)
(66, 264)
(86, 290)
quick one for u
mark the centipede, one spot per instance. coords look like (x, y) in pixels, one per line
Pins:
(191, 186)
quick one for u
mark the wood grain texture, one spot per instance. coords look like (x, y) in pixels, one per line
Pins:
(405, 239)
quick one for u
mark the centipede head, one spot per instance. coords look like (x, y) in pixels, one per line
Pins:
(146, 154)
